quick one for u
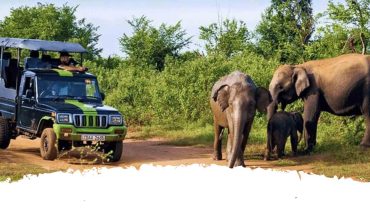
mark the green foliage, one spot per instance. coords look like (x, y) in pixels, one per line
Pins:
(227, 38)
(285, 30)
(329, 42)
(149, 46)
(355, 18)
(111, 62)
(346, 31)
(128, 89)
(355, 129)
(48, 22)
(178, 94)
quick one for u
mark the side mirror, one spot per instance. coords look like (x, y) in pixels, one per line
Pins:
(29, 93)
(102, 95)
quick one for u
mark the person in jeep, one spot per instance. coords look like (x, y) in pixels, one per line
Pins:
(69, 64)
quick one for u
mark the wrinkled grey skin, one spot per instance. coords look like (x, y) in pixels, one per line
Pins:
(279, 128)
(234, 100)
(340, 86)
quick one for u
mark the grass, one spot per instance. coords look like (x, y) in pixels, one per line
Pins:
(16, 171)
(337, 151)
(285, 162)
(359, 172)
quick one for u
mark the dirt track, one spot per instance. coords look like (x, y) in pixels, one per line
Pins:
(135, 153)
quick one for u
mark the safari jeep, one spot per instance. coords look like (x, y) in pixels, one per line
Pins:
(63, 108)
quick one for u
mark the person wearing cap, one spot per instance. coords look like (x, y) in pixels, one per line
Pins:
(69, 64)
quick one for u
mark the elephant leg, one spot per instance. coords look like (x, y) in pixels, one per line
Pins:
(269, 147)
(281, 145)
(310, 119)
(365, 142)
(217, 154)
(280, 150)
(365, 109)
(229, 146)
(294, 141)
(246, 132)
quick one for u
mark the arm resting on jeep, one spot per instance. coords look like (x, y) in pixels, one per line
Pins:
(73, 68)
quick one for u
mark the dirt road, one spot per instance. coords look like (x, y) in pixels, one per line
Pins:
(135, 153)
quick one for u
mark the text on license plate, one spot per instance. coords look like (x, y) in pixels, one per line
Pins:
(90, 137)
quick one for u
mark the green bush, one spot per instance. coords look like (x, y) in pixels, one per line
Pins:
(180, 93)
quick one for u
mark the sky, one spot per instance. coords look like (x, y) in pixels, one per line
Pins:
(111, 16)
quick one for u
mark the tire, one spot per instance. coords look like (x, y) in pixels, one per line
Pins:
(4, 133)
(114, 150)
(48, 147)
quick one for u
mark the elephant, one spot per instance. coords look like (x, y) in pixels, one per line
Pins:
(234, 100)
(339, 85)
(280, 126)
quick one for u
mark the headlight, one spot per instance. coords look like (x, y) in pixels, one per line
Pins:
(64, 118)
(115, 120)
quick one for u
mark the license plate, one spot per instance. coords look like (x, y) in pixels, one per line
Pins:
(89, 137)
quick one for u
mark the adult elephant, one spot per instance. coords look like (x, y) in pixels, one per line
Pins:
(337, 85)
(234, 100)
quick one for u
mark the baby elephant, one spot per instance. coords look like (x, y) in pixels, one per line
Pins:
(280, 126)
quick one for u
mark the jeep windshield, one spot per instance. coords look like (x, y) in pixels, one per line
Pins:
(57, 88)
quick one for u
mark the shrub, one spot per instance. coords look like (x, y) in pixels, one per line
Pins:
(180, 93)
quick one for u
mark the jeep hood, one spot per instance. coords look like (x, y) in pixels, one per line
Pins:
(74, 106)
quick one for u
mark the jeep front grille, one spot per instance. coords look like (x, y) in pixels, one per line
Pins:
(81, 120)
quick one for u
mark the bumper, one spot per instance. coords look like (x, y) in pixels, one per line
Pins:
(71, 133)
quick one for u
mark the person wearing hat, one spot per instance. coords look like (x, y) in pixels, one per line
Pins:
(69, 64)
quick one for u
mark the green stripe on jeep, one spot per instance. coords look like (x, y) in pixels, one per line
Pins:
(63, 73)
(85, 108)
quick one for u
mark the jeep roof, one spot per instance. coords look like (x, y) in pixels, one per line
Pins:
(41, 45)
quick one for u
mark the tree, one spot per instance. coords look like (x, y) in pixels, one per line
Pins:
(150, 46)
(48, 22)
(227, 38)
(345, 30)
(285, 29)
(355, 17)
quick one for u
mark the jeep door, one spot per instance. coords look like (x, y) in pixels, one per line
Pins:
(26, 109)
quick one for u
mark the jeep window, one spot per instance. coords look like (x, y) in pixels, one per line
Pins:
(83, 89)
(29, 85)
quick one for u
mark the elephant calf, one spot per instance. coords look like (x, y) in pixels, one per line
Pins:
(280, 126)
(234, 101)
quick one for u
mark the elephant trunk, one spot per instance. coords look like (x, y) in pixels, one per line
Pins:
(238, 138)
(271, 109)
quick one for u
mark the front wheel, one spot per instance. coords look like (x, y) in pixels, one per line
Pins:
(4, 133)
(114, 150)
(48, 148)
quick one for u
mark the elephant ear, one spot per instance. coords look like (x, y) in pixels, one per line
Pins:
(221, 96)
(263, 99)
(301, 80)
